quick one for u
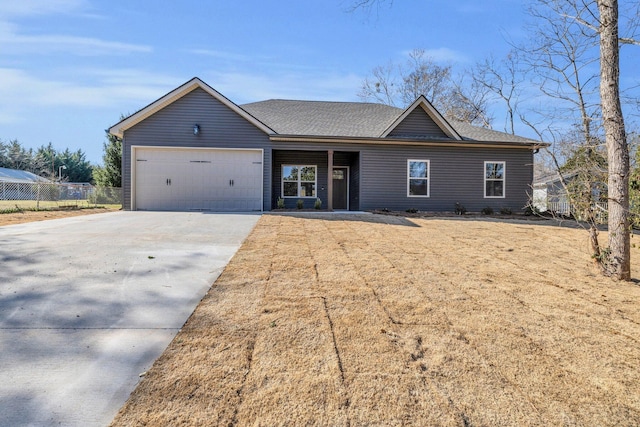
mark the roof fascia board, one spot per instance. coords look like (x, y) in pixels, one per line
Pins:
(431, 112)
(119, 128)
(391, 141)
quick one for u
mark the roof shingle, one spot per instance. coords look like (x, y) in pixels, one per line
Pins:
(350, 119)
(320, 118)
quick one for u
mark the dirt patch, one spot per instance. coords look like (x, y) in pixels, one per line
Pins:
(31, 216)
(383, 320)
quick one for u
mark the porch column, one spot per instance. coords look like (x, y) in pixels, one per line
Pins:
(330, 179)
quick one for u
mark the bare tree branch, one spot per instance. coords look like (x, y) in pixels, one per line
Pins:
(400, 85)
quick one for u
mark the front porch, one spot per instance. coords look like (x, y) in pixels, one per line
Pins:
(332, 176)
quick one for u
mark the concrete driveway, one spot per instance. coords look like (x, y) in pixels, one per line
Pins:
(88, 303)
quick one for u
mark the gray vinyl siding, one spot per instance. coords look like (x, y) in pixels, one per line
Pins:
(378, 173)
(456, 175)
(418, 123)
(306, 158)
(294, 155)
(172, 126)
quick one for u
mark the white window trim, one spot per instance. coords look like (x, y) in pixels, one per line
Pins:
(504, 180)
(315, 182)
(428, 178)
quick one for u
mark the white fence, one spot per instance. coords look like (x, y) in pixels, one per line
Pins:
(45, 194)
(560, 208)
(565, 208)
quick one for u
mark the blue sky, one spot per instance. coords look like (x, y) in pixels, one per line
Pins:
(70, 68)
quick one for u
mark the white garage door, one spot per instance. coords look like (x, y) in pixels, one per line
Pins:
(197, 179)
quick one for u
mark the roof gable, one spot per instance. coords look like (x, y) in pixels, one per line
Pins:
(422, 120)
(418, 124)
(119, 128)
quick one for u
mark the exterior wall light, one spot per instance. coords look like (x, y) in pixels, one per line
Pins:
(196, 129)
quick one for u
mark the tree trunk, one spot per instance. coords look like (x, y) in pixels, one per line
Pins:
(596, 252)
(617, 150)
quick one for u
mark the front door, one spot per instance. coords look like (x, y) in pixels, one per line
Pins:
(340, 188)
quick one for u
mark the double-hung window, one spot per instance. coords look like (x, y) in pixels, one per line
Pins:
(418, 178)
(494, 179)
(299, 180)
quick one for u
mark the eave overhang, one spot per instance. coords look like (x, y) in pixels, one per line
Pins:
(404, 141)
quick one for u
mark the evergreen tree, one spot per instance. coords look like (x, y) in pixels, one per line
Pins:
(78, 169)
(46, 161)
(110, 173)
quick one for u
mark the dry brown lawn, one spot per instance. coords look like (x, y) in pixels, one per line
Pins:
(379, 320)
(32, 216)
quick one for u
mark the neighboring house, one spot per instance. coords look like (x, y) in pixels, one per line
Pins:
(19, 185)
(15, 175)
(194, 149)
(549, 193)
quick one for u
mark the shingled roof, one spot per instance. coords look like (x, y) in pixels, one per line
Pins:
(320, 118)
(477, 133)
(15, 175)
(350, 119)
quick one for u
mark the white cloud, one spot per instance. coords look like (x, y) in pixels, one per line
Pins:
(131, 89)
(247, 87)
(16, 41)
(129, 76)
(121, 89)
(19, 44)
(444, 54)
(8, 116)
(39, 7)
(221, 54)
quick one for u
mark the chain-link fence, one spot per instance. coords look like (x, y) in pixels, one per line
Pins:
(45, 195)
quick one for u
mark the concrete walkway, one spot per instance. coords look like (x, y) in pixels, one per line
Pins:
(88, 303)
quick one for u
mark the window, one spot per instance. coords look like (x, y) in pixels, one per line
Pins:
(494, 174)
(418, 178)
(298, 181)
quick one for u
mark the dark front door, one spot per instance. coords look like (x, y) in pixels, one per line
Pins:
(340, 188)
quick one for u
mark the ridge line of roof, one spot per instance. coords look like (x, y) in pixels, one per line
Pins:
(323, 102)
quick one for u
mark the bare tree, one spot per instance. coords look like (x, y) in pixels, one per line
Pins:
(421, 75)
(571, 37)
(503, 79)
(381, 86)
(561, 58)
(616, 140)
(469, 102)
(400, 85)
(576, 35)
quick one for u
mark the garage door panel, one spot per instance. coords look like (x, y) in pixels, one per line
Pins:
(183, 179)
